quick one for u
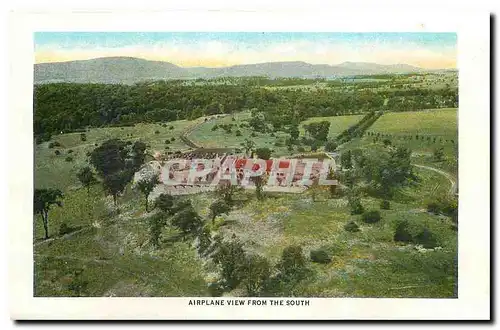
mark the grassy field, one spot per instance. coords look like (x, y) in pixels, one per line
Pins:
(434, 122)
(53, 170)
(337, 123)
(205, 136)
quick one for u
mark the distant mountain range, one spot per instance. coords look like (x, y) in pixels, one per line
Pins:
(129, 70)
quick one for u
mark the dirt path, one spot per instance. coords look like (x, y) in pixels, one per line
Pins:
(453, 182)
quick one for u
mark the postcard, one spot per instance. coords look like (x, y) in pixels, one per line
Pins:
(337, 169)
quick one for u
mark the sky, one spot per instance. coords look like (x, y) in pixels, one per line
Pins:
(218, 49)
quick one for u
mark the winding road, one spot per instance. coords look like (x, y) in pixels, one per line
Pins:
(453, 189)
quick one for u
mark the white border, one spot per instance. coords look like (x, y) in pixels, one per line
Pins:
(473, 63)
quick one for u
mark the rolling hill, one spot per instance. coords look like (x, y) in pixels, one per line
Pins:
(130, 70)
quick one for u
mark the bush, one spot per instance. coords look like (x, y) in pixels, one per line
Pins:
(356, 206)
(253, 134)
(171, 127)
(278, 144)
(320, 256)
(54, 144)
(215, 289)
(371, 216)
(69, 159)
(402, 234)
(83, 137)
(426, 239)
(157, 132)
(57, 152)
(301, 149)
(331, 146)
(64, 229)
(214, 128)
(172, 139)
(70, 151)
(385, 205)
(167, 141)
(263, 153)
(433, 207)
(352, 227)
(238, 133)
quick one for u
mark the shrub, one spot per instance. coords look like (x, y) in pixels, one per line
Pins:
(215, 289)
(54, 144)
(69, 159)
(385, 204)
(64, 229)
(402, 234)
(356, 206)
(214, 128)
(83, 137)
(263, 153)
(167, 141)
(433, 207)
(171, 127)
(157, 132)
(371, 216)
(95, 144)
(320, 256)
(238, 133)
(70, 151)
(57, 152)
(426, 239)
(301, 149)
(172, 139)
(352, 227)
(253, 134)
(331, 146)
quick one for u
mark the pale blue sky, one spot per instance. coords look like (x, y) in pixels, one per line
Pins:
(431, 50)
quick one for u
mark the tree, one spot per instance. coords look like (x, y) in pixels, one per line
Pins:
(110, 157)
(218, 207)
(346, 159)
(138, 155)
(146, 186)
(263, 153)
(259, 185)
(256, 271)
(292, 261)
(86, 177)
(402, 234)
(318, 130)
(187, 220)
(156, 223)
(438, 154)
(226, 190)
(115, 184)
(249, 146)
(230, 256)
(332, 188)
(294, 133)
(165, 202)
(331, 146)
(43, 201)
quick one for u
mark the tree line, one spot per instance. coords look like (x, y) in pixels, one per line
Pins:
(73, 107)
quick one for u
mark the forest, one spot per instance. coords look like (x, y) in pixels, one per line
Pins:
(75, 107)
